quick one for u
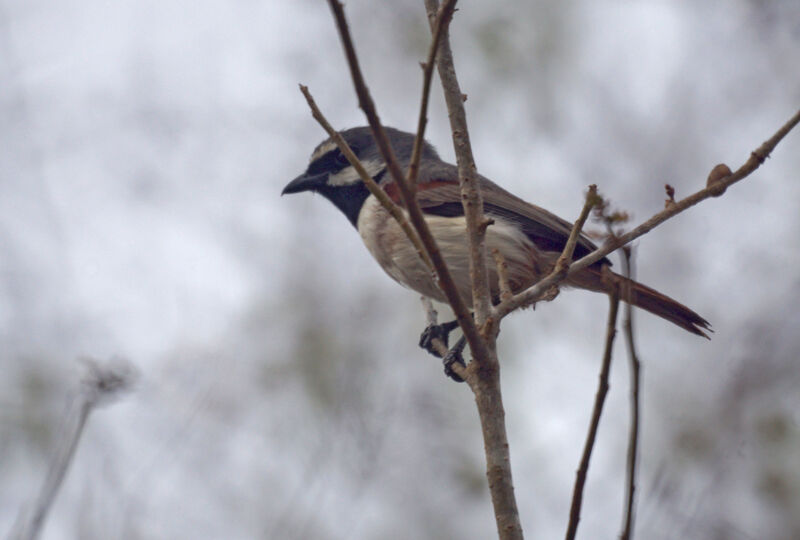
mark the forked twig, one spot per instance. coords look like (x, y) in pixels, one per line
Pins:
(559, 272)
(757, 157)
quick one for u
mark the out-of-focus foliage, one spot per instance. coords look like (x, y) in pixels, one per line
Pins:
(143, 147)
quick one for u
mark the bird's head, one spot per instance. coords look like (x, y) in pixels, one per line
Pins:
(331, 175)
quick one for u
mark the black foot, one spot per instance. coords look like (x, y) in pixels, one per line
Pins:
(436, 331)
(454, 356)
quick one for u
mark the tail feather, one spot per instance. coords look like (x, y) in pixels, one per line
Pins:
(648, 299)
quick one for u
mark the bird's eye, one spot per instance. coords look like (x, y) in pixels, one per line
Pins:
(340, 159)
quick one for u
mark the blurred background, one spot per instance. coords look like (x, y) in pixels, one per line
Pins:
(281, 394)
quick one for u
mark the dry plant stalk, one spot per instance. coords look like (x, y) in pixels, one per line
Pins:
(101, 383)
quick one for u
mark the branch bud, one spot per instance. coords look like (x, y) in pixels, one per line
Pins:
(717, 174)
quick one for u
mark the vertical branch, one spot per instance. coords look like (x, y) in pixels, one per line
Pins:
(633, 439)
(599, 401)
(438, 26)
(485, 368)
(471, 196)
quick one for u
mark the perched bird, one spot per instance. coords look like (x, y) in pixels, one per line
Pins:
(529, 237)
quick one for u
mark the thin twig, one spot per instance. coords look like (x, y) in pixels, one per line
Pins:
(444, 278)
(443, 18)
(502, 275)
(757, 157)
(372, 186)
(591, 200)
(599, 401)
(559, 271)
(471, 197)
(635, 377)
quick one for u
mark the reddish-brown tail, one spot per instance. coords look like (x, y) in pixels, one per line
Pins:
(648, 299)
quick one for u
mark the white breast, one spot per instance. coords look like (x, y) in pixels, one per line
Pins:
(396, 254)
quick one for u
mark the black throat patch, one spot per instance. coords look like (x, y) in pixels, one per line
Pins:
(350, 198)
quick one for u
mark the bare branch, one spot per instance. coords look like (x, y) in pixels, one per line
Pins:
(443, 18)
(559, 272)
(757, 157)
(372, 186)
(599, 401)
(444, 278)
(563, 260)
(471, 197)
(431, 316)
(502, 275)
(635, 368)
(483, 373)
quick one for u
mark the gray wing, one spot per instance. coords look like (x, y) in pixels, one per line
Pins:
(440, 195)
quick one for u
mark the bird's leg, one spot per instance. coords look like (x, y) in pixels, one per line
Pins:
(436, 331)
(453, 356)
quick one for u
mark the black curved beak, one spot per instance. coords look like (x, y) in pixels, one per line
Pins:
(306, 182)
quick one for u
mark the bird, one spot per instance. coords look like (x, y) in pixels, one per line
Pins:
(529, 238)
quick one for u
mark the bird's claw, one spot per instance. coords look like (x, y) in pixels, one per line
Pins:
(434, 332)
(454, 356)
(441, 332)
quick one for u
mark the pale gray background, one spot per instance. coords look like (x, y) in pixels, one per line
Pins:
(143, 147)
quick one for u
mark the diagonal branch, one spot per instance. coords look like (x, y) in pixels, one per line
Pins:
(372, 186)
(757, 157)
(562, 264)
(559, 272)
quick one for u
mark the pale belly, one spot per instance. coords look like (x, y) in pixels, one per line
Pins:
(397, 256)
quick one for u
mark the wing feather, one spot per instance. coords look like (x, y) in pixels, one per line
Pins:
(549, 232)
